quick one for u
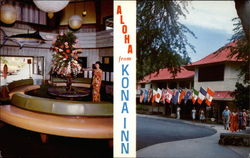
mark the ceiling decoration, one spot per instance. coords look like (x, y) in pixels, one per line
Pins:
(8, 14)
(75, 21)
(51, 6)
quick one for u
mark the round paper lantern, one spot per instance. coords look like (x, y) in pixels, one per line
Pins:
(8, 14)
(50, 15)
(51, 6)
(75, 22)
(84, 13)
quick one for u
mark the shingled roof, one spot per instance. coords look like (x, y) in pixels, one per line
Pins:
(165, 74)
(219, 56)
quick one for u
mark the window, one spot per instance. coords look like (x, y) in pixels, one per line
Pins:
(83, 61)
(38, 65)
(107, 64)
(143, 85)
(211, 73)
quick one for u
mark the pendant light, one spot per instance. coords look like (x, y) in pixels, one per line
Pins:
(75, 21)
(51, 6)
(8, 14)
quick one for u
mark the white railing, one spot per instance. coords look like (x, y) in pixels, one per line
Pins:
(106, 76)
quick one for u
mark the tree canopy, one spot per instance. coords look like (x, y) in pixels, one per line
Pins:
(242, 49)
(241, 95)
(161, 38)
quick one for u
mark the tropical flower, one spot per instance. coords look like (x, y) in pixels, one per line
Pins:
(65, 56)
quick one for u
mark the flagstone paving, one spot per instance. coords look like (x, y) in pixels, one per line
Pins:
(205, 147)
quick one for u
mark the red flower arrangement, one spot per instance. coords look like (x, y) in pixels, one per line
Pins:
(65, 56)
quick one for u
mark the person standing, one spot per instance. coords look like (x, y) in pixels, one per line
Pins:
(193, 113)
(226, 118)
(248, 117)
(5, 71)
(244, 118)
(96, 81)
(202, 115)
(233, 122)
(240, 120)
(178, 112)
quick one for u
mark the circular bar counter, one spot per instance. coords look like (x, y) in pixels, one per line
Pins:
(69, 126)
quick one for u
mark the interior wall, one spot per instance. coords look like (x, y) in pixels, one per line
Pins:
(90, 18)
(106, 9)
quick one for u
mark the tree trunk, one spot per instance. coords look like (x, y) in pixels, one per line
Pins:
(69, 84)
(243, 11)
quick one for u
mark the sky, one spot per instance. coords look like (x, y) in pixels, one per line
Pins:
(211, 22)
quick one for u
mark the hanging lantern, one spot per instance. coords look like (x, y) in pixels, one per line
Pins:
(51, 6)
(75, 22)
(84, 13)
(8, 14)
(50, 15)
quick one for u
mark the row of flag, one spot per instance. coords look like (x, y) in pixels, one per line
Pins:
(176, 96)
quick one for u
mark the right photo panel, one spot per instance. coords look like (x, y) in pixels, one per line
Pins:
(192, 97)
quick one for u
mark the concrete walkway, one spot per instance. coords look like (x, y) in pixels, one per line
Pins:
(206, 147)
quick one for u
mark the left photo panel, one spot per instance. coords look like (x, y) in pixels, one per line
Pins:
(56, 78)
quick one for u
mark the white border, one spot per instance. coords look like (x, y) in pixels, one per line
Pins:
(128, 127)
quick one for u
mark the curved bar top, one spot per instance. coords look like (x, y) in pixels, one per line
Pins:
(69, 126)
(62, 107)
(22, 89)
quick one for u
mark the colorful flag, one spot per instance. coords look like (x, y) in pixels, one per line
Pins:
(163, 96)
(150, 94)
(175, 99)
(158, 95)
(209, 96)
(194, 95)
(154, 95)
(145, 95)
(182, 95)
(187, 96)
(141, 96)
(169, 95)
(201, 96)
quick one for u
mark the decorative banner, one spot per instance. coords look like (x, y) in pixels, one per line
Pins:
(141, 95)
(182, 95)
(209, 96)
(163, 97)
(125, 80)
(145, 96)
(176, 96)
(158, 95)
(187, 96)
(150, 93)
(154, 95)
(201, 95)
(194, 95)
(169, 95)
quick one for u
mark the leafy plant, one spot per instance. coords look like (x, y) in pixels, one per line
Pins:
(161, 38)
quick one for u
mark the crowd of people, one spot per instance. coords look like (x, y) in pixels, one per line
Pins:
(232, 120)
(193, 113)
(235, 121)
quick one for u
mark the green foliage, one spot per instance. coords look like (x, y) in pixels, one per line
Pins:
(241, 94)
(161, 38)
(241, 50)
(4, 60)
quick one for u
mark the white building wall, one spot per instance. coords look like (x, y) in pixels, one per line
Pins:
(230, 78)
